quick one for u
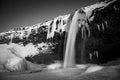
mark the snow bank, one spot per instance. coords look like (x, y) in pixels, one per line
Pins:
(23, 51)
(16, 64)
(12, 56)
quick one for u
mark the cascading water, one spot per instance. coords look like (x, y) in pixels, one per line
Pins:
(69, 59)
(79, 20)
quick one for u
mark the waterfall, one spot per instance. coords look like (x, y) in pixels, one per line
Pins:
(69, 59)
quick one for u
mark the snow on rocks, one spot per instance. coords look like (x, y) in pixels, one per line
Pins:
(12, 57)
(15, 64)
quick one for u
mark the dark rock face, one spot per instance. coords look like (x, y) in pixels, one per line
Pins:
(104, 41)
(98, 38)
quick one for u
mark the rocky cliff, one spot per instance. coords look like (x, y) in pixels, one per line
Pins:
(99, 32)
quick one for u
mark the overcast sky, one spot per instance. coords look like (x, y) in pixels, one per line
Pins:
(17, 13)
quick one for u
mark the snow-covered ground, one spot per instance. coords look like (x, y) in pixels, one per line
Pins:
(12, 57)
(107, 73)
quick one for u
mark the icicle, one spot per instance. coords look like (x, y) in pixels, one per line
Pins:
(98, 26)
(106, 23)
(103, 27)
(83, 25)
(97, 54)
(53, 28)
(90, 56)
(21, 35)
(62, 27)
(82, 31)
(11, 37)
(64, 18)
(91, 18)
(59, 24)
(88, 29)
(48, 32)
(36, 28)
(49, 26)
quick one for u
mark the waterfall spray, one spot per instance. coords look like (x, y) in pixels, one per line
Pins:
(69, 59)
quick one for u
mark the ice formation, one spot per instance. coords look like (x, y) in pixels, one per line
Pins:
(60, 24)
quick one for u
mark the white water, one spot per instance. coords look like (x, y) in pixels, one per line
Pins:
(69, 59)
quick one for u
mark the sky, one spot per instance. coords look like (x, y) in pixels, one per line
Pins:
(21, 13)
